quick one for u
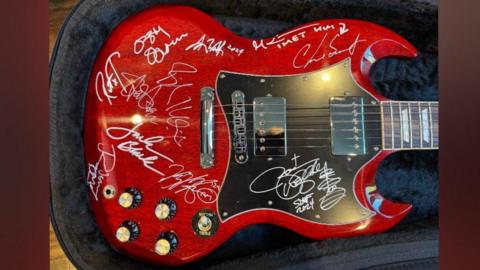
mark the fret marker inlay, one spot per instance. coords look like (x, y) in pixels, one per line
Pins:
(426, 125)
(405, 126)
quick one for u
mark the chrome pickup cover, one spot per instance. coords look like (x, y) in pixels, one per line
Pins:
(347, 123)
(269, 124)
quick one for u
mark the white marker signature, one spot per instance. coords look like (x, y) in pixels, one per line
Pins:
(135, 87)
(210, 45)
(178, 121)
(295, 181)
(194, 186)
(145, 96)
(139, 146)
(100, 169)
(306, 55)
(304, 203)
(156, 55)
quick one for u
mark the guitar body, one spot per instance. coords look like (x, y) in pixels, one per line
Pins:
(143, 134)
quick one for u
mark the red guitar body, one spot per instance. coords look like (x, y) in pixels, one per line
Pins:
(142, 134)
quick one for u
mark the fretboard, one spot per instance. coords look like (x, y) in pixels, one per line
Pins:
(409, 125)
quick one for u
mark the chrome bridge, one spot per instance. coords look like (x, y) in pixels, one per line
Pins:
(347, 125)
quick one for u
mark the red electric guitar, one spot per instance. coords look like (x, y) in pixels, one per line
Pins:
(193, 133)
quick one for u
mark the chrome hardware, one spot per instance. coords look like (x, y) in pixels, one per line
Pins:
(205, 223)
(269, 124)
(239, 127)
(347, 122)
(206, 136)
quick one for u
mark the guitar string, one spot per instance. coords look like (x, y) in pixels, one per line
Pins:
(324, 115)
(327, 106)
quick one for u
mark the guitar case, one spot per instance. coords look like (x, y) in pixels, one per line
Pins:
(409, 176)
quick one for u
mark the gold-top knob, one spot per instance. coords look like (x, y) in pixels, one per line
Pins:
(128, 231)
(125, 200)
(123, 234)
(165, 209)
(162, 211)
(166, 244)
(130, 198)
(162, 247)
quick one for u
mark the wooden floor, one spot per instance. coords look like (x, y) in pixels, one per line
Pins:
(58, 10)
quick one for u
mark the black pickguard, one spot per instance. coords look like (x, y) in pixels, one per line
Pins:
(236, 195)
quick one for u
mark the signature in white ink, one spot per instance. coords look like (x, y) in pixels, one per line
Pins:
(211, 45)
(145, 95)
(177, 120)
(295, 35)
(139, 146)
(195, 187)
(279, 41)
(135, 87)
(306, 55)
(283, 40)
(156, 54)
(304, 203)
(142, 148)
(99, 170)
(299, 180)
(107, 80)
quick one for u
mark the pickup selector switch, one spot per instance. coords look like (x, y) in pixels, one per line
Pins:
(165, 209)
(205, 223)
(127, 232)
(130, 198)
(166, 244)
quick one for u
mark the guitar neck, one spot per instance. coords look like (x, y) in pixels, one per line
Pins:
(409, 125)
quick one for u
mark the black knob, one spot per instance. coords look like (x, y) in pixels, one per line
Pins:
(165, 209)
(127, 231)
(166, 243)
(130, 198)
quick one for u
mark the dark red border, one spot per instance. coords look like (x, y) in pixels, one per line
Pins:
(24, 135)
(459, 134)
